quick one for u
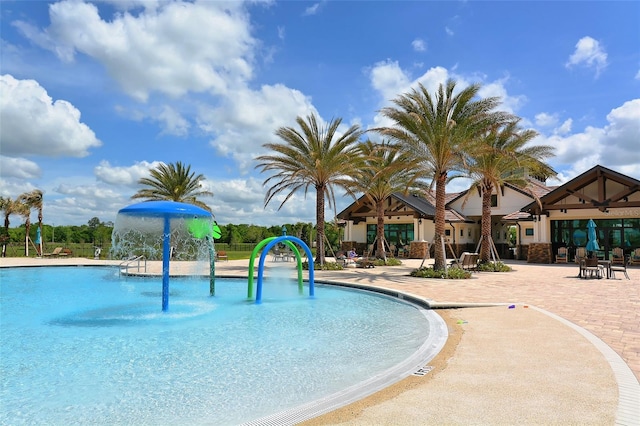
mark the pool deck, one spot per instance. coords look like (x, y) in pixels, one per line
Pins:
(534, 346)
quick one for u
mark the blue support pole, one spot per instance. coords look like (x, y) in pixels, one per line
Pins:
(166, 254)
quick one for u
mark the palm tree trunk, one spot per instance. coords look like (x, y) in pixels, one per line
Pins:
(439, 253)
(485, 248)
(27, 227)
(380, 229)
(40, 227)
(320, 224)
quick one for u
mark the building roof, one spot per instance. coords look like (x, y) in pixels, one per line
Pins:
(420, 207)
(574, 190)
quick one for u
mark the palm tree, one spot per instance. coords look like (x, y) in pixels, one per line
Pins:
(499, 157)
(24, 210)
(386, 170)
(312, 156)
(438, 130)
(34, 200)
(173, 182)
(9, 207)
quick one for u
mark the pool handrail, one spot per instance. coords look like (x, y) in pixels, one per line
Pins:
(126, 264)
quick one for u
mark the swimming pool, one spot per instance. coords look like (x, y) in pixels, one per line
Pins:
(84, 346)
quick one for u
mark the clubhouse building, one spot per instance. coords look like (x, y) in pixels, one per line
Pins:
(525, 224)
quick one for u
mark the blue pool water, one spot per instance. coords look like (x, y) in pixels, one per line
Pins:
(85, 346)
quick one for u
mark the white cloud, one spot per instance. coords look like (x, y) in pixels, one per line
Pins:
(546, 120)
(614, 145)
(389, 80)
(128, 176)
(449, 31)
(33, 124)
(565, 127)
(173, 122)
(419, 45)
(248, 120)
(314, 8)
(176, 48)
(590, 54)
(18, 168)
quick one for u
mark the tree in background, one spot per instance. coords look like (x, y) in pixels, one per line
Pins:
(9, 207)
(501, 156)
(23, 210)
(33, 200)
(387, 169)
(174, 182)
(439, 130)
(312, 157)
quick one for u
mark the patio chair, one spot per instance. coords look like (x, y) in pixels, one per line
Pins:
(277, 255)
(591, 268)
(634, 259)
(619, 268)
(581, 254)
(562, 255)
(617, 256)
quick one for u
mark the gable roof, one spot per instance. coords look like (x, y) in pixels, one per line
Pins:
(420, 207)
(602, 201)
(535, 187)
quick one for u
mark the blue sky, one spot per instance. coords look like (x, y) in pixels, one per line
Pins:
(93, 94)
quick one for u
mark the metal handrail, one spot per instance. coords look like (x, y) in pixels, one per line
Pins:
(127, 263)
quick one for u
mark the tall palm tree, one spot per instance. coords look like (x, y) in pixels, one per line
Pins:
(24, 210)
(386, 170)
(501, 156)
(312, 156)
(9, 207)
(438, 130)
(173, 182)
(34, 200)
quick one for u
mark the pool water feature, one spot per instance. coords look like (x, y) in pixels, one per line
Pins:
(85, 346)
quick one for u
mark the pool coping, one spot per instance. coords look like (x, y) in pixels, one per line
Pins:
(414, 365)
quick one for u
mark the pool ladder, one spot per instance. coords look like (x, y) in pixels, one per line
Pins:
(134, 263)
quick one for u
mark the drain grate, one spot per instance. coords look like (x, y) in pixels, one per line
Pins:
(423, 371)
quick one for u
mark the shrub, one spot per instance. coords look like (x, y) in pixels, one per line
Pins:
(452, 273)
(391, 261)
(494, 267)
(327, 266)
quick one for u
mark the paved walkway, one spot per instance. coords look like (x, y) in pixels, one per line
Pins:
(572, 357)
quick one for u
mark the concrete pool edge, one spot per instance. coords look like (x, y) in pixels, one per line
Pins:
(430, 348)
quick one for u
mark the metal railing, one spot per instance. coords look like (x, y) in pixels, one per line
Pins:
(133, 263)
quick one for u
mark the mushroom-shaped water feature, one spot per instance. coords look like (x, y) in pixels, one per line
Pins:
(166, 211)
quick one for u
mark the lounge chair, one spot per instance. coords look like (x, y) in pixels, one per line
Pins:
(468, 261)
(617, 256)
(562, 255)
(634, 258)
(56, 252)
(581, 254)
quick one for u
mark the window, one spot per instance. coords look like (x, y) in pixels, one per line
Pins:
(528, 232)
(447, 232)
(395, 233)
(494, 200)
